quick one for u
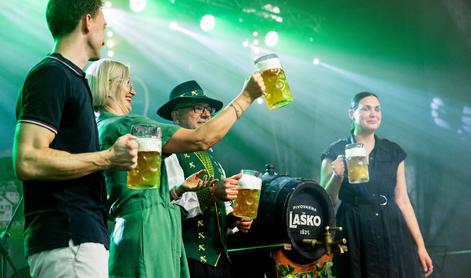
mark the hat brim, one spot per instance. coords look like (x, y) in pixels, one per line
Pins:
(166, 109)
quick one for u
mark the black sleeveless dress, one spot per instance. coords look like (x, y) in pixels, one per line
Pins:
(379, 242)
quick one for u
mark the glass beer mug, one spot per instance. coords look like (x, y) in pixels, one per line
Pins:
(357, 165)
(147, 173)
(246, 203)
(278, 93)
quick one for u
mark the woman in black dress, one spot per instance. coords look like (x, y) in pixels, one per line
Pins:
(379, 223)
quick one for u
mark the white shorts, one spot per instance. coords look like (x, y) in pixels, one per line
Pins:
(84, 260)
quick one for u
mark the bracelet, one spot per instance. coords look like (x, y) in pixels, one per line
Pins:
(174, 194)
(240, 107)
(235, 110)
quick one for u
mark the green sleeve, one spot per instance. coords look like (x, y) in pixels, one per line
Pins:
(168, 130)
(111, 129)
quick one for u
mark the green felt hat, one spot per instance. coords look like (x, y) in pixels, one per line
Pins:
(189, 90)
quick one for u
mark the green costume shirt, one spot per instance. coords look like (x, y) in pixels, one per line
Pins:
(147, 238)
(205, 234)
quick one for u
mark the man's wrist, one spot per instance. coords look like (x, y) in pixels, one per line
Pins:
(105, 161)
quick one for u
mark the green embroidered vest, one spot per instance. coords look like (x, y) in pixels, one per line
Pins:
(205, 234)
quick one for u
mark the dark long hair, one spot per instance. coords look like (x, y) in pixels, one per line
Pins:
(356, 101)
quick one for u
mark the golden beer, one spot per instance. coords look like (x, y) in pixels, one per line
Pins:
(246, 204)
(357, 170)
(248, 196)
(278, 93)
(147, 173)
(357, 165)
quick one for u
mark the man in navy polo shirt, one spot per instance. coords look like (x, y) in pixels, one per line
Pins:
(56, 150)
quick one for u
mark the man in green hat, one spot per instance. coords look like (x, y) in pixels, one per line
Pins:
(209, 211)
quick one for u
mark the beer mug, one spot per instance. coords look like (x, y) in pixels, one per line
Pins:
(357, 165)
(246, 203)
(147, 173)
(277, 90)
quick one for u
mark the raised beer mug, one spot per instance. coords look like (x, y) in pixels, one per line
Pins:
(147, 173)
(246, 203)
(277, 93)
(357, 164)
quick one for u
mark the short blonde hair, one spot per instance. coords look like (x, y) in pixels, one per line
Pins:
(100, 76)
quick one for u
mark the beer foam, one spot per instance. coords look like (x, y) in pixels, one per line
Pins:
(149, 144)
(250, 182)
(273, 63)
(357, 151)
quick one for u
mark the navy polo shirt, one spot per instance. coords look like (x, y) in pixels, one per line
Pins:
(56, 96)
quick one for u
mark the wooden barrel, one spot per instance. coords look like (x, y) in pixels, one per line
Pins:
(290, 210)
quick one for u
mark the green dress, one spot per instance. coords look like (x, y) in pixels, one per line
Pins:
(147, 237)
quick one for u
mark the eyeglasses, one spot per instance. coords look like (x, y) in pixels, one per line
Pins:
(128, 83)
(199, 109)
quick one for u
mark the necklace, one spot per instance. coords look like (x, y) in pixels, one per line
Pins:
(204, 158)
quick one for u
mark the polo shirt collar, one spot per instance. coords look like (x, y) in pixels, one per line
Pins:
(71, 66)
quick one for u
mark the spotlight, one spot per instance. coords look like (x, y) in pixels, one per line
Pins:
(109, 34)
(316, 61)
(255, 50)
(173, 25)
(207, 22)
(110, 44)
(271, 39)
(110, 53)
(255, 42)
(137, 5)
(255, 33)
(108, 4)
(245, 43)
(259, 100)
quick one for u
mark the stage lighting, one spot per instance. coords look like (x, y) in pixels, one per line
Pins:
(259, 100)
(207, 22)
(173, 25)
(109, 43)
(271, 39)
(107, 4)
(109, 34)
(256, 50)
(110, 53)
(245, 43)
(316, 61)
(137, 5)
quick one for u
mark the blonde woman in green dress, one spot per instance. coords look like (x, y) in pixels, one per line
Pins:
(147, 238)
